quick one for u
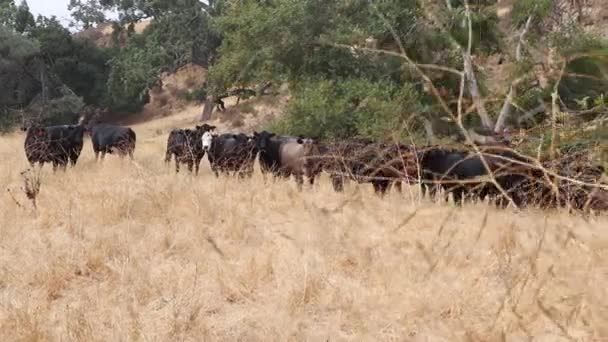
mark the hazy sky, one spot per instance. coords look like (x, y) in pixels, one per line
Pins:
(58, 8)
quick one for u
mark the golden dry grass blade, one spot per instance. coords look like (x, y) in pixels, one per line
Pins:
(130, 251)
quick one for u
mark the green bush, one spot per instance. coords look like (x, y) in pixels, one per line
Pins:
(330, 109)
(134, 71)
(522, 9)
(197, 95)
(65, 109)
(586, 74)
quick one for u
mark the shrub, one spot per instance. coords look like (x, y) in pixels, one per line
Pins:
(329, 109)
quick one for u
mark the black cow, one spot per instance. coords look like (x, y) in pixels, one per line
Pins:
(108, 138)
(464, 174)
(232, 153)
(187, 147)
(58, 145)
(284, 156)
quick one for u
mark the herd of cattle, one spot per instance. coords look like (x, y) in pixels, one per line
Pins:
(497, 173)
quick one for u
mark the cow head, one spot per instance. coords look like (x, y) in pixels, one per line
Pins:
(29, 123)
(205, 128)
(207, 140)
(36, 132)
(261, 139)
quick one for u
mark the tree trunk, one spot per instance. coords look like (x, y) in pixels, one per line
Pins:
(43, 83)
(208, 108)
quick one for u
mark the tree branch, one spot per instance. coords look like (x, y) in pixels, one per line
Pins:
(505, 112)
(470, 75)
(531, 113)
(395, 54)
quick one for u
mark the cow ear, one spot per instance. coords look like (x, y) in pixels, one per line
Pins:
(300, 141)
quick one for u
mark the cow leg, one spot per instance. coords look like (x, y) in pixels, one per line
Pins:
(177, 162)
(299, 181)
(197, 165)
(337, 182)
(399, 186)
(458, 194)
(423, 189)
(435, 188)
(103, 155)
(190, 165)
(380, 186)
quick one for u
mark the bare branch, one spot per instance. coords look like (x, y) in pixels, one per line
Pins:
(470, 75)
(532, 112)
(505, 112)
(443, 103)
(395, 54)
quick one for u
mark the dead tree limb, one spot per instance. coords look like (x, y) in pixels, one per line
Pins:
(470, 75)
(505, 112)
(441, 100)
(529, 115)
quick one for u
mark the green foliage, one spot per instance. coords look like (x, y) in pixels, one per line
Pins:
(18, 66)
(288, 40)
(180, 33)
(63, 109)
(79, 64)
(186, 34)
(86, 13)
(7, 13)
(538, 9)
(586, 73)
(132, 73)
(484, 26)
(329, 109)
(24, 20)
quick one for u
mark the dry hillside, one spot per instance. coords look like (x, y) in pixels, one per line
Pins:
(168, 107)
(130, 251)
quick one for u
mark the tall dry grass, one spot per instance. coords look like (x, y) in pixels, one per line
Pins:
(132, 252)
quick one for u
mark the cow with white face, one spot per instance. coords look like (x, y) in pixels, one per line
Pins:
(187, 146)
(207, 141)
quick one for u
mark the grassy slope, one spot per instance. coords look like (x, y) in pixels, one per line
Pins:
(125, 251)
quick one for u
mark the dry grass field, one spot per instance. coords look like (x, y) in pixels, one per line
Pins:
(129, 251)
